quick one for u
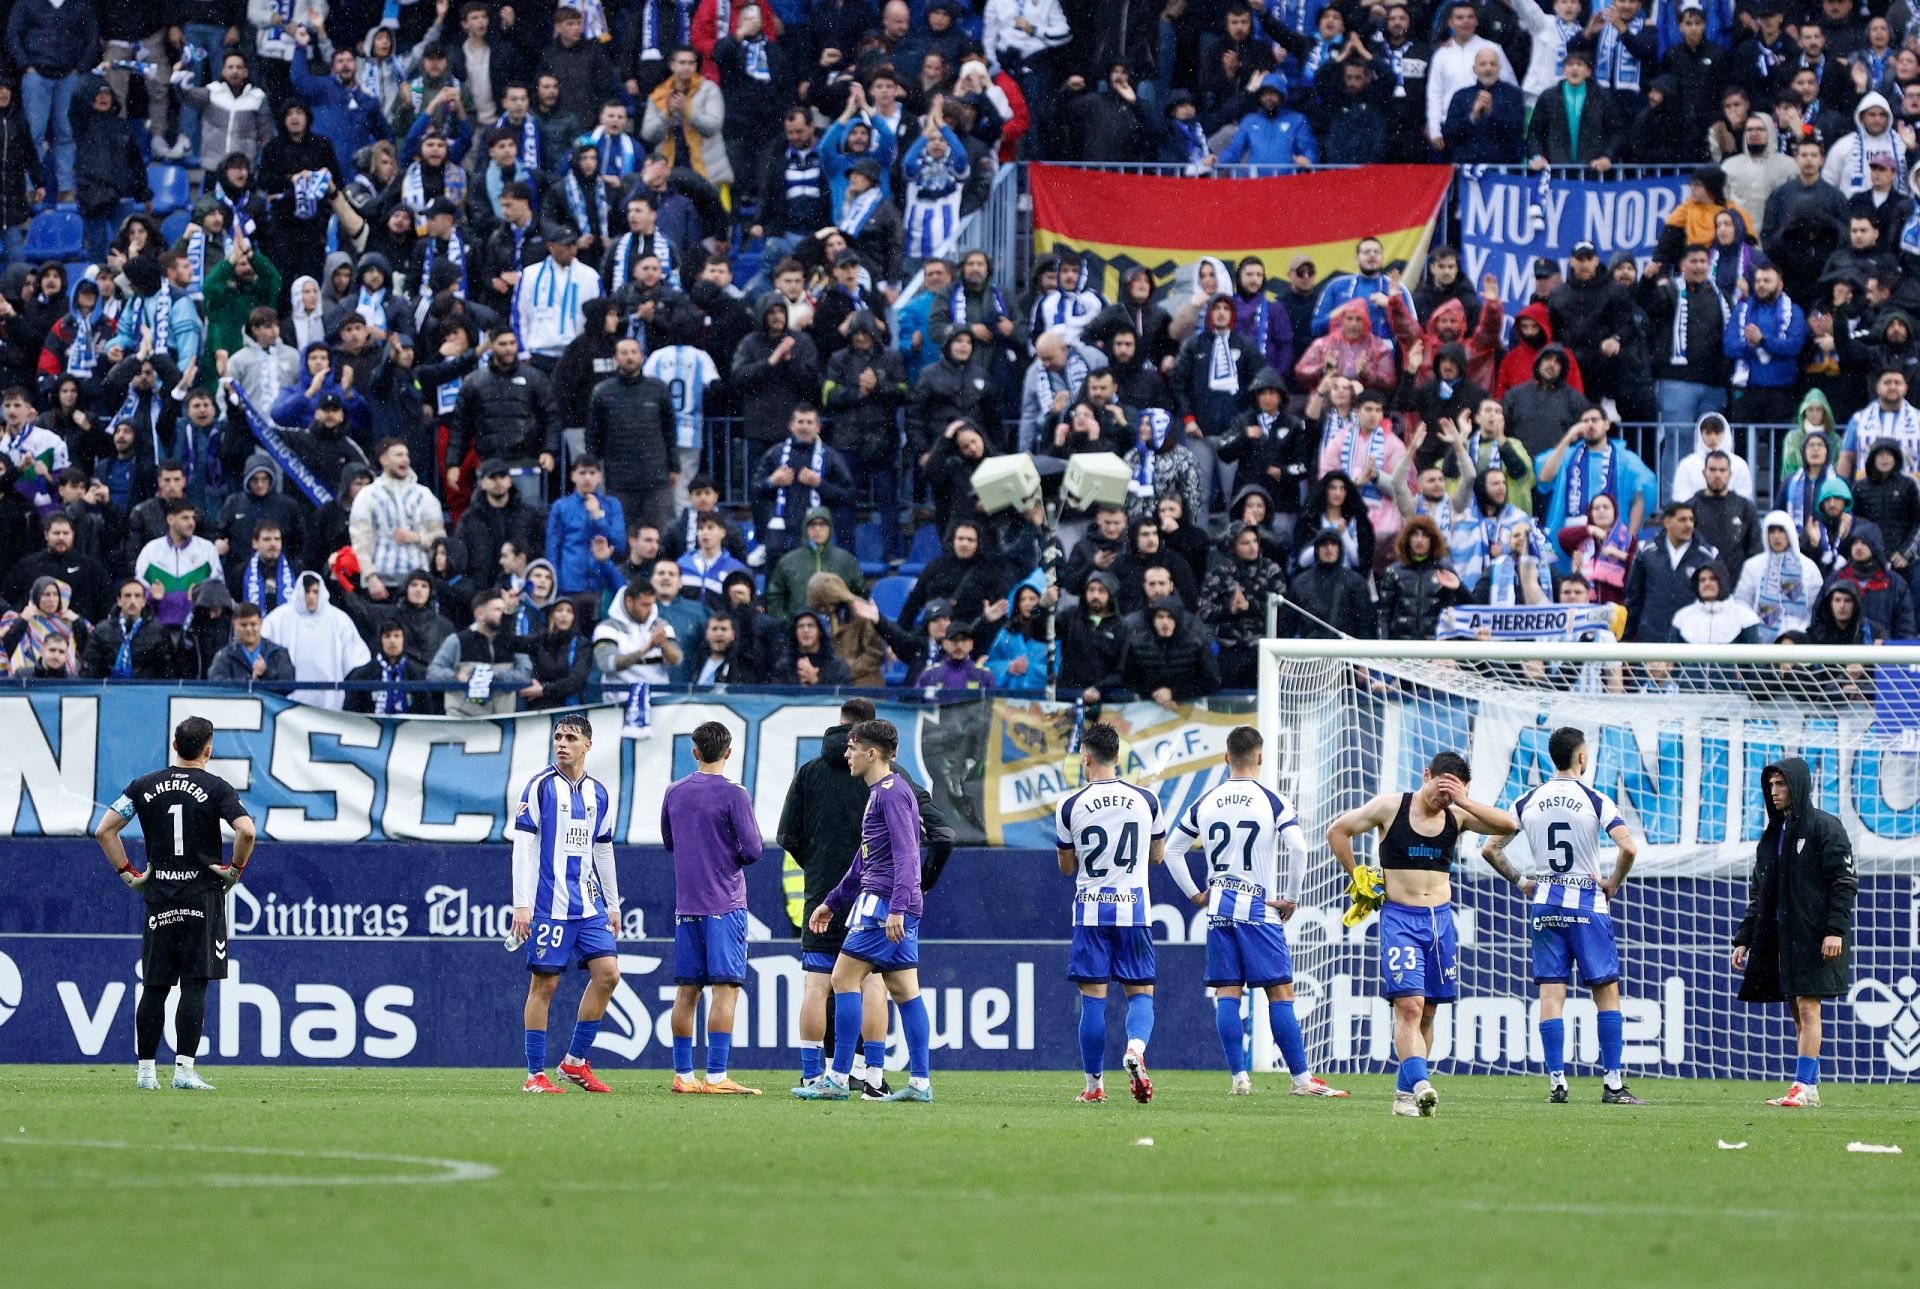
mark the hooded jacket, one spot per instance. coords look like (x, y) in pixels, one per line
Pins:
(1802, 891)
(243, 512)
(1182, 663)
(1256, 579)
(321, 641)
(1357, 541)
(107, 167)
(863, 426)
(1332, 593)
(768, 391)
(946, 391)
(961, 582)
(1517, 367)
(787, 584)
(1889, 499)
(1369, 360)
(1279, 460)
(1827, 628)
(1847, 157)
(1884, 597)
(1780, 587)
(425, 626)
(832, 669)
(1538, 412)
(1751, 180)
(1093, 653)
(1480, 342)
(1722, 621)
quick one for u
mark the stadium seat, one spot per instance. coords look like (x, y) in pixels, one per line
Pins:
(870, 549)
(171, 190)
(174, 226)
(923, 550)
(746, 265)
(76, 272)
(894, 673)
(890, 594)
(54, 235)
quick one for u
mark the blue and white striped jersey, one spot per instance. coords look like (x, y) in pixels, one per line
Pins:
(1243, 825)
(1566, 824)
(686, 371)
(1110, 826)
(563, 848)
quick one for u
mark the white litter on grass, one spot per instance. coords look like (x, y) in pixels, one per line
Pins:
(1733, 1145)
(1868, 1148)
(1148, 1141)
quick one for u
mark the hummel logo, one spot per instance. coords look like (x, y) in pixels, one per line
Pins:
(219, 948)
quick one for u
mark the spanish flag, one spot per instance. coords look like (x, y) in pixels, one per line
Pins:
(1162, 222)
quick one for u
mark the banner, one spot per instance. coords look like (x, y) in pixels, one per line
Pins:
(1507, 222)
(1163, 222)
(1532, 621)
(378, 954)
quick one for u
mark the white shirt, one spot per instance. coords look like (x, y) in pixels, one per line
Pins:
(1243, 826)
(1110, 826)
(1566, 823)
(548, 303)
(1450, 70)
(1049, 24)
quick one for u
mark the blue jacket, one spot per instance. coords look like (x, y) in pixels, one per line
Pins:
(570, 535)
(1497, 140)
(914, 316)
(54, 42)
(1268, 144)
(346, 115)
(835, 160)
(1355, 286)
(1775, 362)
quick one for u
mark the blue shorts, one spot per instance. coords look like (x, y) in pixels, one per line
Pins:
(710, 948)
(557, 944)
(1419, 953)
(872, 947)
(819, 961)
(1247, 953)
(1103, 953)
(1562, 937)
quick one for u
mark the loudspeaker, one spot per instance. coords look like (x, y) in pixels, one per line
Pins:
(1094, 477)
(1006, 483)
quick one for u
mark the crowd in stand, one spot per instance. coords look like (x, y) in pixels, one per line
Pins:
(428, 381)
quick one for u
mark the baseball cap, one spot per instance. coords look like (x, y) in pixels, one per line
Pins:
(1583, 249)
(492, 466)
(330, 402)
(1544, 268)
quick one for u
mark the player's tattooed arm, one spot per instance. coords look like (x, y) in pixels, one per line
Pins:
(1495, 853)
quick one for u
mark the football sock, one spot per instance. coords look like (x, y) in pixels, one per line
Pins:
(1094, 1082)
(1139, 1019)
(1611, 1046)
(150, 1021)
(875, 1050)
(1287, 1036)
(1093, 1035)
(584, 1032)
(146, 1067)
(536, 1051)
(683, 1056)
(918, 1029)
(1226, 1019)
(846, 1033)
(812, 1059)
(189, 1018)
(719, 1048)
(1806, 1069)
(1413, 1071)
(1553, 1049)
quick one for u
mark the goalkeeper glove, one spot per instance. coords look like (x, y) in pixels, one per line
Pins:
(229, 875)
(132, 877)
(1366, 890)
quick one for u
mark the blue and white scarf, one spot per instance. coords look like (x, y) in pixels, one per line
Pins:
(590, 219)
(253, 585)
(1577, 498)
(1860, 157)
(1568, 622)
(456, 255)
(817, 463)
(618, 155)
(637, 721)
(631, 246)
(1375, 446)
(393, 700)
(595, 15)
(197, 260)
(754, 59)
(1565, 33)
(857, 211)
(237, 216)
(957, 304)
(1783, 586)
(1615, 66)
(291, 466)
(413, 190)
(123, 658)
(308, 192)
(529, 142)
(82, 357)
(1160, 426)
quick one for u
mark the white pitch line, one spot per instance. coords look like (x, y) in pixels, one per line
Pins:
(451, 1170)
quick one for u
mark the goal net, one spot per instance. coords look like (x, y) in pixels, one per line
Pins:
(1678, 737)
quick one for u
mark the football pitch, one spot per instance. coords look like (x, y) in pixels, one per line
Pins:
(331, 1177)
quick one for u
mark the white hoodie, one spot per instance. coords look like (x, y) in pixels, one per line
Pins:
(1846, 167)
(321, 642)
(1793, 591)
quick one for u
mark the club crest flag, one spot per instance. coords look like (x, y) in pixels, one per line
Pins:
(1165, 223)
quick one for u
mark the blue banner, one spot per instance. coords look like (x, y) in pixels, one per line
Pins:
(376, 953)
(1507, 222)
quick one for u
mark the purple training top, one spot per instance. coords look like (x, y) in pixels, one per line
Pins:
(888, 861)
(707, 821)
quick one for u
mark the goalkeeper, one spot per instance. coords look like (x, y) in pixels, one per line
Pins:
(1792, 944)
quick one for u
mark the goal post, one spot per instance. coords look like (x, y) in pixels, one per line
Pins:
(1678, 737)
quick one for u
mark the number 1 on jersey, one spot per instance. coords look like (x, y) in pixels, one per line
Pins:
(178, 811)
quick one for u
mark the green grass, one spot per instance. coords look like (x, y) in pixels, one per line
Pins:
(1002, 1182)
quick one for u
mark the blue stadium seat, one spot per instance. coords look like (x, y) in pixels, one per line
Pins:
(923, 550)
(171, 191)
(870, 549)
(54, 235)
(894, 673)
(174, 225)
(746, 264)
(890, 594)
(76, 273)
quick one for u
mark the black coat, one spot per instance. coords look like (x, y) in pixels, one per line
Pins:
(153, 649)
(1336, 595)
(1803, 889)
(1656, 589)
(630, 427)
(1412, 599)
(511, 415)
(769, 391)
(1183, 662)
(948, 391)
(481, 530)
(1549, 135)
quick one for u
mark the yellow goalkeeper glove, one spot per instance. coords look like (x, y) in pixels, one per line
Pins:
(1366, 892)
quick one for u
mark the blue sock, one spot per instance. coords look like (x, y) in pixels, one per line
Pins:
(1611, 1044)
(1412, 1070)
(1226, 1019)
(719, 1048)
(846, 1032)
(812, 1060)
(683, 1056)
(1806, 1069)
(584, 1032)
(919, 1033)
(875, 1050)
(1093, 1035)
(1553, 1046)
(1286, 1033)
(536, 1051)
(1140, 1018)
